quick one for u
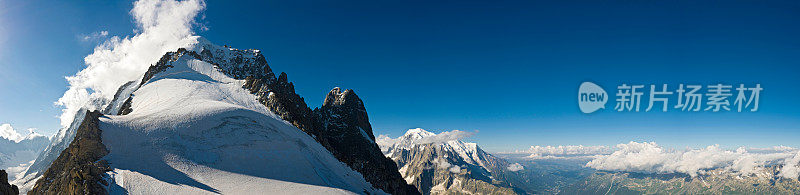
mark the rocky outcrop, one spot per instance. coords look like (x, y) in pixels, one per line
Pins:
(78, 170)
(5, 187)
(348, 133)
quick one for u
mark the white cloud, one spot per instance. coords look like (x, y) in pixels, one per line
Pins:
(515, 167)
(162, 26)
(443, 164)
(444, 137)
(8, 132)
(95, 36)
(651, 158)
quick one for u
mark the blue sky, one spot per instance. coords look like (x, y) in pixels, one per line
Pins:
(508, 69)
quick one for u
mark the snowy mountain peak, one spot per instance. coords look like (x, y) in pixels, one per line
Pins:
(446, 141)
(33, 135)
(440, 163)
(417, 133)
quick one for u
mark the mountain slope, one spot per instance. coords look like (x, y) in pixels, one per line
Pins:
(190, 126)
(17, 151)
(451, 166)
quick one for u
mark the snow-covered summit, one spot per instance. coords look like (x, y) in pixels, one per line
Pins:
(467, 152)
(189, 126)
(452, 162)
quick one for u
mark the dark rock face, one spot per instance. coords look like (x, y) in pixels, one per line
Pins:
(343, 109)
(346, 129)
(279, 96)
(78, 170)
(5, 187)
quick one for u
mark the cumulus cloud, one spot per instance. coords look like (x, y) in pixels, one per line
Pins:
(649, 157)
(443, 164)
(8, 132)
(444, 137)
(515, 167)
(161, 26)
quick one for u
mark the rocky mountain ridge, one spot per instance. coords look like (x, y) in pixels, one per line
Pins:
(79, 168)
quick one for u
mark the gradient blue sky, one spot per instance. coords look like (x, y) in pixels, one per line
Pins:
(509, 69)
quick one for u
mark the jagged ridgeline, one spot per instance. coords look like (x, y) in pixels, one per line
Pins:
(139, 112)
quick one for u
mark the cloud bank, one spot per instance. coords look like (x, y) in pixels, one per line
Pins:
(649, 157)
(567, 151)
(161, 26)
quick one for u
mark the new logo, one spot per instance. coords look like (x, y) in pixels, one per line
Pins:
(591, 97)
